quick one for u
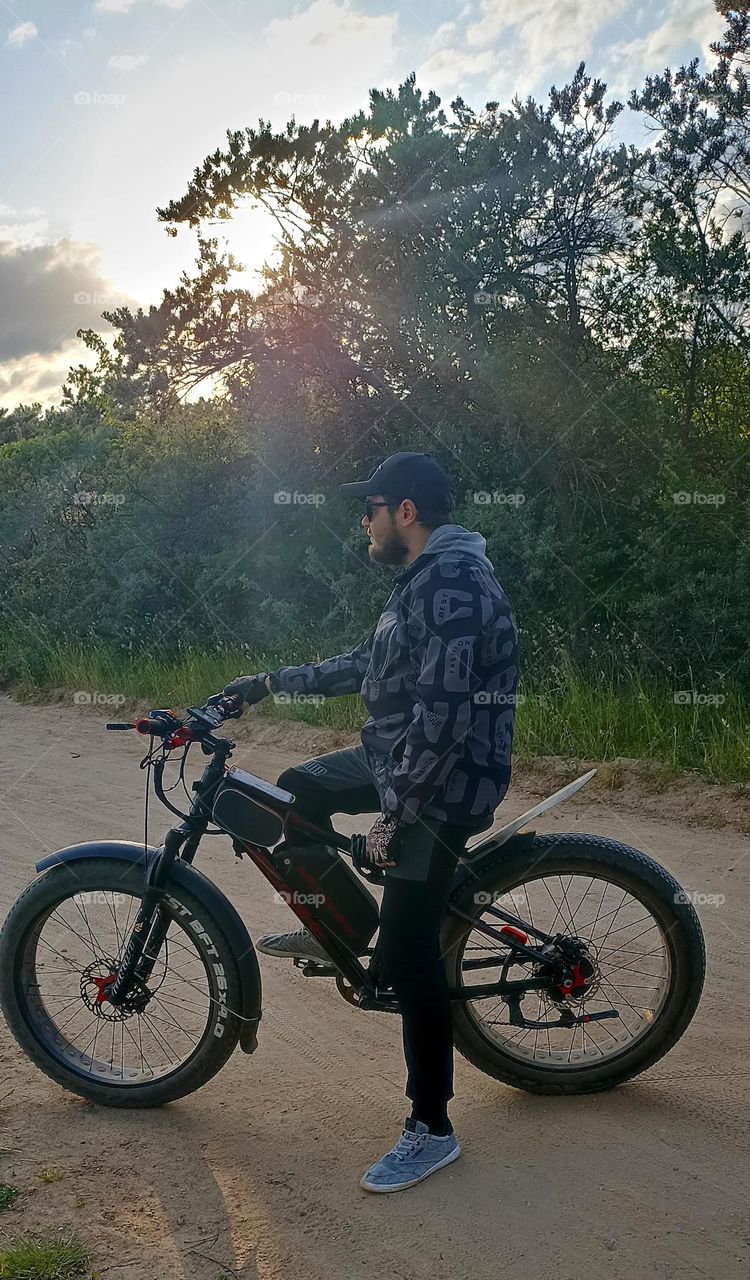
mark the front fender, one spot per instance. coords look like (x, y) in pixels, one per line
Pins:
(183, 875)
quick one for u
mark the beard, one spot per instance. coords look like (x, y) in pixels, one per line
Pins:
(392, 550)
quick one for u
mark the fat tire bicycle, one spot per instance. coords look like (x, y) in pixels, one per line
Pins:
(574, 962)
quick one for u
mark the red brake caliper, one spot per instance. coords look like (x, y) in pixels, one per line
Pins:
(573, 983)
(102, 987)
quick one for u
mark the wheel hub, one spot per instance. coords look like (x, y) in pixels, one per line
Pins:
(97, 981)
(576, 974)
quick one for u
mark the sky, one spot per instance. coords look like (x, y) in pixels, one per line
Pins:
(108, 106)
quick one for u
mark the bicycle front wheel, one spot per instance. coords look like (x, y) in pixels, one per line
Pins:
(61, 945)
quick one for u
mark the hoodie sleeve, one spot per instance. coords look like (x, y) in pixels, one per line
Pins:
(330, 678)
(446, 624)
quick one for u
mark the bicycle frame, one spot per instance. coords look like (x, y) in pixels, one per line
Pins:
(151, 925)
(367, 995)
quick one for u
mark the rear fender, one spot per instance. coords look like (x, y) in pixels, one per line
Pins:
(183, 875)
(481, 854)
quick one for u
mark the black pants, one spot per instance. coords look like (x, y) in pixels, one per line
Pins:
(415, 896)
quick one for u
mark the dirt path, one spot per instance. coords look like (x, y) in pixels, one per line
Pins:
(257, 1174)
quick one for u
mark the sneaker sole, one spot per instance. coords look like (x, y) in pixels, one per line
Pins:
(402, 1186)
(298, 955)
(292, 955)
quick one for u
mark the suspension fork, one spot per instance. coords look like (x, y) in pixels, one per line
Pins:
(151, 924)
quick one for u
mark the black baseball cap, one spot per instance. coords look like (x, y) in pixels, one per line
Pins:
(406, 475)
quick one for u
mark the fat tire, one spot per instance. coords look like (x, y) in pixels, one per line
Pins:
(51, 888)
(499, 872)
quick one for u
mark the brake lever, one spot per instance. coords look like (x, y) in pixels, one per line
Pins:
(203, 716)
(231, 708)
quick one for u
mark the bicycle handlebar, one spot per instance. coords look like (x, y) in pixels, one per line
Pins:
(166, 724)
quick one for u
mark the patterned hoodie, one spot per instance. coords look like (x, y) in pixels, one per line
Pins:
(438, 678)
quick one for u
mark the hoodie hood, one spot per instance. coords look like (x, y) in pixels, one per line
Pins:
(453, 539)
(447, 540)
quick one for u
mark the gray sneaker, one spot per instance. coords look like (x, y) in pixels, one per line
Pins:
(416, 1155)
(300, 944)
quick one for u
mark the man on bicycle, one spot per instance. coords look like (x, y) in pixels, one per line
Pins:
(438, 678)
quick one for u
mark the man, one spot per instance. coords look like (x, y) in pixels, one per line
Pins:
(438, 678)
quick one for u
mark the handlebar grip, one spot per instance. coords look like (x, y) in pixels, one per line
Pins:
(118, 725)
(147, 725)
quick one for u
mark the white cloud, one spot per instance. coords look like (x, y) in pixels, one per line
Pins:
(450, 67)
(127, 61)
(557, 40)
(534, 44)
(23, 227)
(124, 6)
(20, 35)
(450, 64)
(526, 42)
(114, 6)
(687, 21)
(322, 46)
(38, 379)
(497, 18)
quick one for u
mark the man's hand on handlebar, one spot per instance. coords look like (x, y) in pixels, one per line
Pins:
(200, 721)
(250, 688)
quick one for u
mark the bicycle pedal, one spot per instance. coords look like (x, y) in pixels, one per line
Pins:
(315, 968)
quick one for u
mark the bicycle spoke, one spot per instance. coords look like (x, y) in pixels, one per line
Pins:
(94, 929)
(610, 922)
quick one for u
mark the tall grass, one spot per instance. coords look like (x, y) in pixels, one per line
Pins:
(572, 713)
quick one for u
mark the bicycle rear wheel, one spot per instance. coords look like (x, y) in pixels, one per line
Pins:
(633, 996)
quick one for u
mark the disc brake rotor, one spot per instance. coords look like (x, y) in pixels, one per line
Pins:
(97, 981)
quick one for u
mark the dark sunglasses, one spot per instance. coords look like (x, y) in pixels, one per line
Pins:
(370, 507)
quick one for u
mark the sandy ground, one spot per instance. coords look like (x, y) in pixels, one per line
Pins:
(257, 1174)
